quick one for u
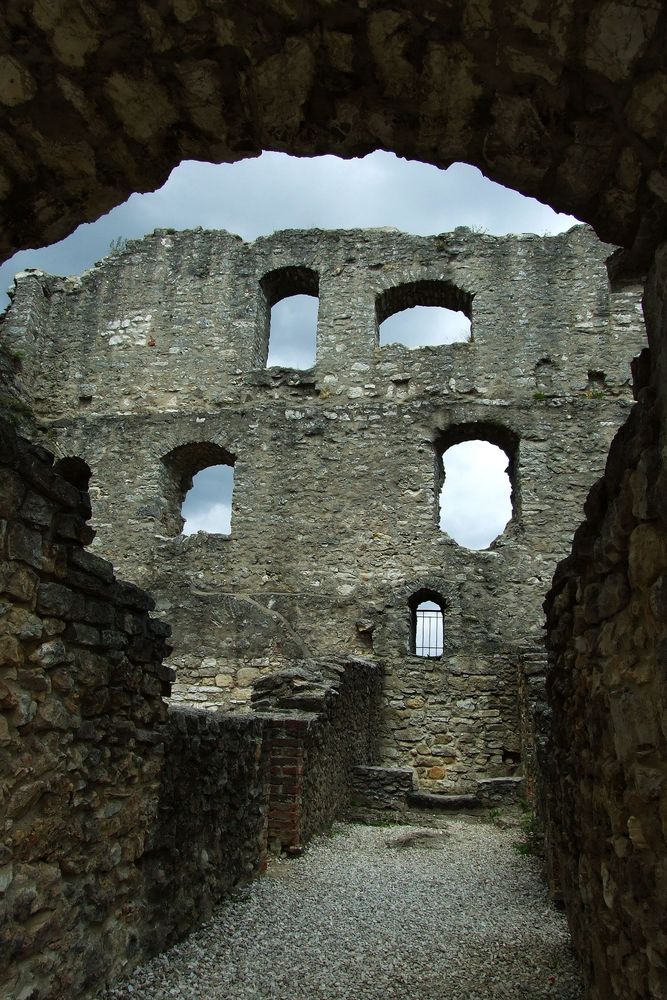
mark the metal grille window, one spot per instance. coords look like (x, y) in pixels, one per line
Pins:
(429, 629)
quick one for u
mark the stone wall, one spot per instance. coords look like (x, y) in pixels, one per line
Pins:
(533, 721)
(567, 107)
(120, 827)
(334, 517)
(605, 766)
(123, 825)
(565, 103)
(321, 722)
(380, 793)
(210, 829)
(81, 733)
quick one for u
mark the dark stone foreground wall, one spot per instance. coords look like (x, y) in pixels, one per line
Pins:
(118, 826)
(121, 826)
(565, 102)
(605, 769)
(81, 737)
(210, 830)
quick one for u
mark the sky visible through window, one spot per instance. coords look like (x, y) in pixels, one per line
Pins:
(208, 504)
(475, 499)
(274, 191)
(429, 633)
(292, 339)
(425, 326)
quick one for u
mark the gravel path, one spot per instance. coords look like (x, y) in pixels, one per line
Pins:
(368, 913)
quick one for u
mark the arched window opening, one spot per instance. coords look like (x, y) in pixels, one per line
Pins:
(288, 318)
(477, 494)
(208, 503)
(424, 314)
(199, 483)
(425, 326)
(427, 624)
(293, 333)
(75, 471)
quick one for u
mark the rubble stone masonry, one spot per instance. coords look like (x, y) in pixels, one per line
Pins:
(122, 822)
(153, 365)
(563, 101)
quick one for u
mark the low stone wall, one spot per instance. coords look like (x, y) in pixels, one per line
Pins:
(605, 766)
(81, 736)
(211, 822)
(493, 792)
(321, 721)
(380, 792)
(533, 720)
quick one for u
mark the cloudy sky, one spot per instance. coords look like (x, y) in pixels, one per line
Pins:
(275, 191)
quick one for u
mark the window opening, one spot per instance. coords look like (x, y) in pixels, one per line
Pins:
(293, 332)
(198, 482)
(428, 629)
(476, 495)
(423, 313)
(425, 326)
(208, 503)
(288, 317)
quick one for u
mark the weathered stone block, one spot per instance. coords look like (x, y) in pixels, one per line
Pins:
(37, 510)
(647, 554)
(58, 600)
(12, 491)
(607, 598)
(18, 580)
(25, 545)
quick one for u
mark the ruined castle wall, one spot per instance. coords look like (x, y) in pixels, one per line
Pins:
(334, 521)
(210, 831)
(320, 724)
(568, 108)
(123, 823)
(120, 826)
(604, 765)
(81, 750)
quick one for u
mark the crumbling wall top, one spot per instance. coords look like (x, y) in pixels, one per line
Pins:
(179, 321)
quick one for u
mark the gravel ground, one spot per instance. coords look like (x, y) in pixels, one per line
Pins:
(378, 913)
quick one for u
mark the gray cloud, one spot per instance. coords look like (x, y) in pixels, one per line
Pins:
(424, 326)
(208, 505)
(293, 333)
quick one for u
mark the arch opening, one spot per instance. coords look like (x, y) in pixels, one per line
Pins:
(207, 505)
(425, 326)
(75, 471)
(476, 478)
(289, 303)
(198, 488)
(427, 624)
(423, 314)
(293, 333)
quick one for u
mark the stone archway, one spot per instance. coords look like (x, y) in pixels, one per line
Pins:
(103, 101)
(568, 105)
